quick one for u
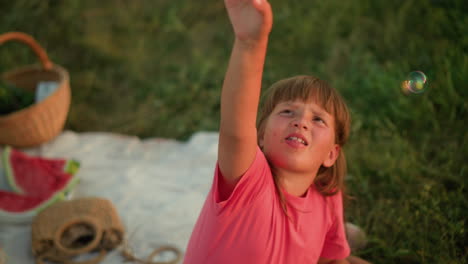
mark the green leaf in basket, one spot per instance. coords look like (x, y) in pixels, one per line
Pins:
(13, 98)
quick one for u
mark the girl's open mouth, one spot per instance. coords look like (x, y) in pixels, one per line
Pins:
(296, 138)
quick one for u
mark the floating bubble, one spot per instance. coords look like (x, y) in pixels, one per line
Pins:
(414, 83)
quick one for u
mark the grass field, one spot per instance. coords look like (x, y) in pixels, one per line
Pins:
(155, 69)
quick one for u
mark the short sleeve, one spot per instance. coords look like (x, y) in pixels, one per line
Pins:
(255, 181)
(336, 246)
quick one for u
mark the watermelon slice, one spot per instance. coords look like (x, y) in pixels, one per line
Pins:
(18, 208)
(37, 176)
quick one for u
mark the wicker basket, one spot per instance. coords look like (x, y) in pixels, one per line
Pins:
(41, 121)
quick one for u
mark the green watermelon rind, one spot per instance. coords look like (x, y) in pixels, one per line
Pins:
(9, 171)
(71, 167)
(18, 217)
(70, 185)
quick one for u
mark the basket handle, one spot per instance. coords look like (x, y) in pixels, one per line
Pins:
(32, 43)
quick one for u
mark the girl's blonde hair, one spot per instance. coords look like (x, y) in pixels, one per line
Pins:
(329, 180)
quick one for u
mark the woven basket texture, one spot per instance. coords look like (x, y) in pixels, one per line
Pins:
(71, 228)
(40, 122)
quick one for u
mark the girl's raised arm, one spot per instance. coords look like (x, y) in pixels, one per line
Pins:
(251, 21)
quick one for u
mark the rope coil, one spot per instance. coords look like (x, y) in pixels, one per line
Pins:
(127, 253)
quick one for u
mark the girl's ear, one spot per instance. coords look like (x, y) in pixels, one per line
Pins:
(260, 142)
(332, 156)
(260, 139)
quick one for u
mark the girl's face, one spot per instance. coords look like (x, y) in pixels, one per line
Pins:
(299, 137)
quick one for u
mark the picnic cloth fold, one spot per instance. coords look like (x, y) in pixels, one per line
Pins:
(157, 185)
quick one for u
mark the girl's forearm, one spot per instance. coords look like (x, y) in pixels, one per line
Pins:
(241, 88)
(239, 104)
(251, 21)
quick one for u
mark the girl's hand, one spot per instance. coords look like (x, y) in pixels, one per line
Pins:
(251, 19)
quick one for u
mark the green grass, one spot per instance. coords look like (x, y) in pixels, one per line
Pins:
(155, 69)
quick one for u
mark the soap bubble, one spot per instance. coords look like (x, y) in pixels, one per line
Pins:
(414, 83)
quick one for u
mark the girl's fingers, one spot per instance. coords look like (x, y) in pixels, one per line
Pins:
(264, 7)
(259, 4)
(250, 19)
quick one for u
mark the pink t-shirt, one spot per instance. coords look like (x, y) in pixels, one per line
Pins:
(250, 225)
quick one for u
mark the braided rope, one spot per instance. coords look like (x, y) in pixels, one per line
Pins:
(127, 253)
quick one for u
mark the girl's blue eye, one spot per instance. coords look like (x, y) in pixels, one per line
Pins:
(318, 119)
(286, 113)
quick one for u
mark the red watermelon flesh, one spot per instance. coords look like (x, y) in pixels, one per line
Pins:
(17, 208)
(38, 176)
(14, 202)
(69, 166)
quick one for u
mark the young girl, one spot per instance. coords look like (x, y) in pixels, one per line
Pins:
(276, 195)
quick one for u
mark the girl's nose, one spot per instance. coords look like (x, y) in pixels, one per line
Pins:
(300, 123)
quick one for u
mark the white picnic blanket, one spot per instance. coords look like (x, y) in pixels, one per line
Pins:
(157, 185)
